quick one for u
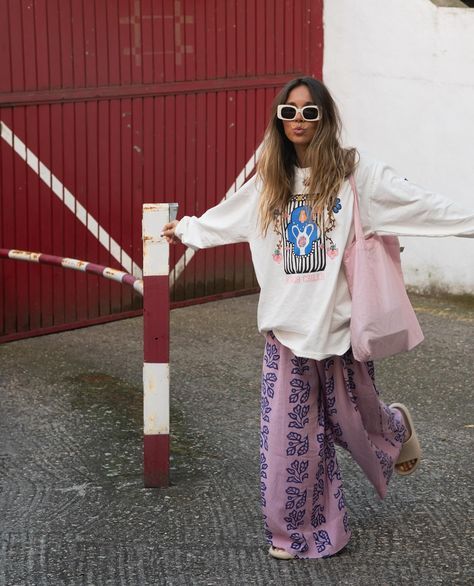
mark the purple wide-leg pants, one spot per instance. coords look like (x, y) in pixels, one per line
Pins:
(308, 406)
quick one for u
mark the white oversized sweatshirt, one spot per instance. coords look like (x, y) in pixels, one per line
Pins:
(304, 296)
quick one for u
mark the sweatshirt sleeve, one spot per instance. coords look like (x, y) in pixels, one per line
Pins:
(226, 223)
(399, 207)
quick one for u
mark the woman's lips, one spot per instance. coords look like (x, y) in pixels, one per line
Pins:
(299, 131)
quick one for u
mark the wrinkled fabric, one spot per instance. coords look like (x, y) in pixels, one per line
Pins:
(307, 408)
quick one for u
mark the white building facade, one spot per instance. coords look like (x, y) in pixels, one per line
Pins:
(402, 73)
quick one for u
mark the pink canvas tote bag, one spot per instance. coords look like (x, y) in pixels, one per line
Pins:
(383, 322)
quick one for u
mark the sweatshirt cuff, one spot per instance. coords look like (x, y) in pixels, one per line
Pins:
(180, 232)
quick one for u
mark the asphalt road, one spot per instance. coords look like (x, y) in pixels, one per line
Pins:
(72, 503)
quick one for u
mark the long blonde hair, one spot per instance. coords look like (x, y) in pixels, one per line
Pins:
(329, 163)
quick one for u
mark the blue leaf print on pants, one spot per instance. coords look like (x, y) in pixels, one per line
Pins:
(297, 471)
(299, 416)
(299, 391)
(297, 444)
(268, 384)
(271, 356)
(322, 539)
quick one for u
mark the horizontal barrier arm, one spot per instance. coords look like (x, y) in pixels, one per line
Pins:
(75, 264)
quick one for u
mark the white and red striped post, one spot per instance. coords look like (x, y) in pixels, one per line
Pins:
(156, 327)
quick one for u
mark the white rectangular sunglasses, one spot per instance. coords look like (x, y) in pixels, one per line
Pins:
(309, 113)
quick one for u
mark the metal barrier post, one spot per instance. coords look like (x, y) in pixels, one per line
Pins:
(156, 325)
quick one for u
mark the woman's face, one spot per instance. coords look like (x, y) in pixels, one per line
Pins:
(299, 131)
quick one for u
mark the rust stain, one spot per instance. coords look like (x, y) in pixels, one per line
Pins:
(151, 426)
(74, 262)
(24, 255)
(153, 238)
(114, 273)
(151, 386)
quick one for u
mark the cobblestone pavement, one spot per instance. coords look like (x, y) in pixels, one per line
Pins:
(73, 508)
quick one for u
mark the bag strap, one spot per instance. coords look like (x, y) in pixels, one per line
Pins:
(359, 233)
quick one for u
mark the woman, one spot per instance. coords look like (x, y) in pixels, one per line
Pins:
(296, 215)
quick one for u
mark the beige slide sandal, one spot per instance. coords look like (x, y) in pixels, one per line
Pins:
(411, 449)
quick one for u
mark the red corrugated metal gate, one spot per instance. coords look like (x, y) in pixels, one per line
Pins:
(106, 105)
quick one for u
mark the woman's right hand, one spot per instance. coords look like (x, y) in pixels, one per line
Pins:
(169, 232)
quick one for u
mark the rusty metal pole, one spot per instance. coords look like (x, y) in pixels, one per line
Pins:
(156, 311)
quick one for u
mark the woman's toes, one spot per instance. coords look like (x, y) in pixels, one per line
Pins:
(406, 466)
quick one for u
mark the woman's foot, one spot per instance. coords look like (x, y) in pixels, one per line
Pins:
(280, 553)
(411, 452)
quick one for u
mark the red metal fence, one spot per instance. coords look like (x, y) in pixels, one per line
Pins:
(105, 105)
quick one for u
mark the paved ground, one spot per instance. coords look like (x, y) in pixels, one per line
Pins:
(73, 509)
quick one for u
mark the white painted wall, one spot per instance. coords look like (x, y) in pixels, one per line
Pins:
(402, 73)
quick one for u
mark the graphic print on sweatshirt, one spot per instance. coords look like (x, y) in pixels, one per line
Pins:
(302, 243)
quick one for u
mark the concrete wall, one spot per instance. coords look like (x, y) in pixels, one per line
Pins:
(403, 75)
